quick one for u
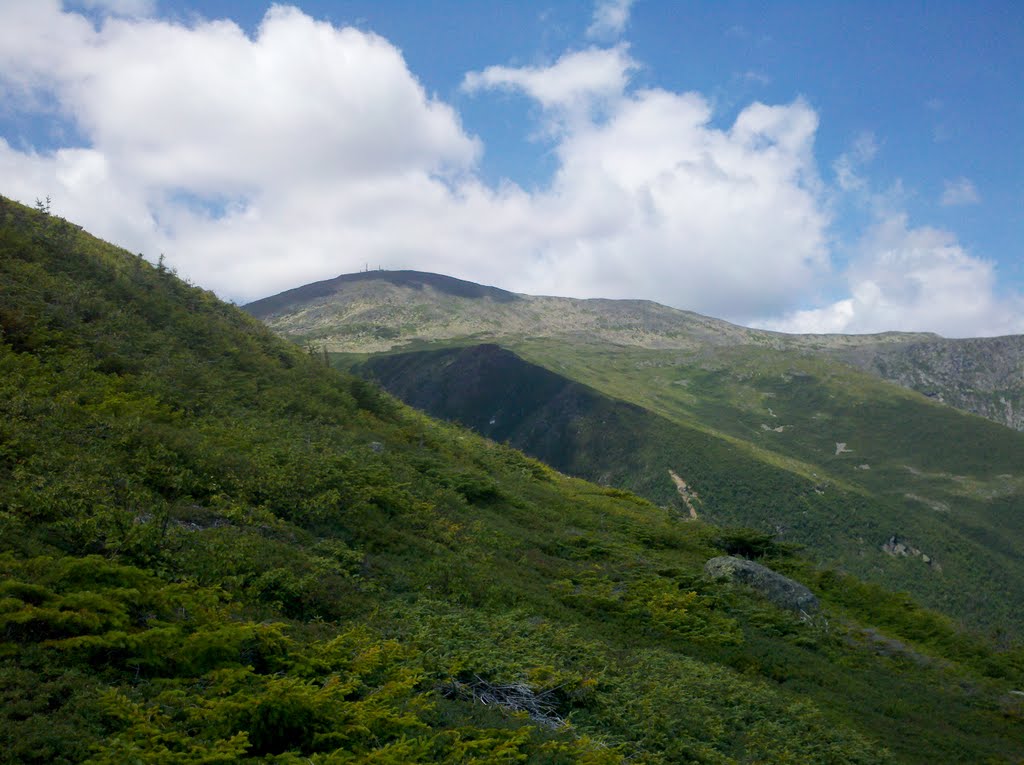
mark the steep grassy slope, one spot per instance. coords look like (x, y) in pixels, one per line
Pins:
(384, 310)
(214, 549)
(774, 463)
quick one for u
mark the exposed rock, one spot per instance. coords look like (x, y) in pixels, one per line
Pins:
(376, 446)
(780, 590)
(901, 548)
(984, 376)
(896, 546)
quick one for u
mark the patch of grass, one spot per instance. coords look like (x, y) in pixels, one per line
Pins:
(214, 548)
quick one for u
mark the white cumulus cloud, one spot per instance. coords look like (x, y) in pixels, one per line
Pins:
(576, 83)
(914, 279)
(651, 199)
(657, 202)
(200, 131)
(259, 162)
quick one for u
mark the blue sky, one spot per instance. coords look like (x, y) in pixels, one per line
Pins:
(829, 166)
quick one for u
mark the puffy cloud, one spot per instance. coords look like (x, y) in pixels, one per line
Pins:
(610, 19)
(960, 192)
(657, 202)
(210, 109)
(196, 132)
(80, 182)
(914, 279)
(901, 277)
(36, 43)
(260, 162)
(575, 84)
(650, 199)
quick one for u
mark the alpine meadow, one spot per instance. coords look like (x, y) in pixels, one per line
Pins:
(217, 548)
(592, 382)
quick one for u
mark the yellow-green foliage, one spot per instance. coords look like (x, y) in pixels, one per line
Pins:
(215, 549)
(948, 482)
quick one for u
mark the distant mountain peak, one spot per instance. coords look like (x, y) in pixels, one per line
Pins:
(416, 280)
(376, 311)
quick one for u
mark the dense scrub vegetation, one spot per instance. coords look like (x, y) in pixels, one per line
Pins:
(755, 439)
(213, 548)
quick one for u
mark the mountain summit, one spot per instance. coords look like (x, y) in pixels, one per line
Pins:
(412, 280)
(377, 311)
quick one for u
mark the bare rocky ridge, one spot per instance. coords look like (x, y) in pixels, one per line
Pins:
(377, 311)
(984, 376)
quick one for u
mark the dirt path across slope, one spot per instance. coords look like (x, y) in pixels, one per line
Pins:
(686, 493)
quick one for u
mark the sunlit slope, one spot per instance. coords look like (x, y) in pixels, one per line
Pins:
(215, 549)
(383, 310)
(849, 466)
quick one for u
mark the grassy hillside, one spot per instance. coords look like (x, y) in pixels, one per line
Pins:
(755, 441)
(215, 549)
(379, 311)
(887, 463)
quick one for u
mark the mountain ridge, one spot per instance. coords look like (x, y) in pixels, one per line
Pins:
(656, 315)
(780, 433)
(377, 311)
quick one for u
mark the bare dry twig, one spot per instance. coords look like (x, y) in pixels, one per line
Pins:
(514, 697)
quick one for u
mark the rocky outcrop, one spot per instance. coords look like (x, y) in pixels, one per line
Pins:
(778, 589)
(984, 376)
(901, 548)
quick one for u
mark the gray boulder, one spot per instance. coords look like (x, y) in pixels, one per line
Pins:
(778, 589)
